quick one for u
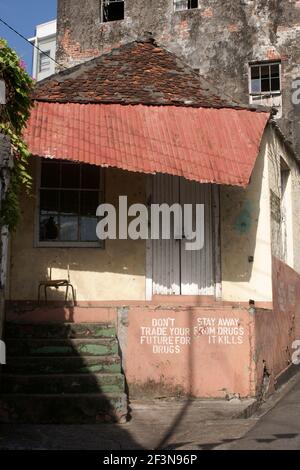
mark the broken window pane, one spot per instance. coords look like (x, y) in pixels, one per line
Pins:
(112, 10)
(49, 228)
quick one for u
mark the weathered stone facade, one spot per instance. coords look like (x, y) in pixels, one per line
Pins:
(220, 39)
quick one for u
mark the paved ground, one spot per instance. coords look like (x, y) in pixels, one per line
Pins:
(198, 424)
(185, 425)
(278, 429)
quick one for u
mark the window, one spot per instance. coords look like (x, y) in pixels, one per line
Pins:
(69, 195)
(185, 4)
(112, 10)
(265, 85)
(285, 209)
(44, 61)
(265, 78)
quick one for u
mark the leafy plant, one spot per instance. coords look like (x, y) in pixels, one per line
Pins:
(13, 117)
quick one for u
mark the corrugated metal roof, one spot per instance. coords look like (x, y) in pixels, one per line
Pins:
(202, 144)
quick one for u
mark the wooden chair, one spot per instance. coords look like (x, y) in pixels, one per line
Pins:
(56, 283)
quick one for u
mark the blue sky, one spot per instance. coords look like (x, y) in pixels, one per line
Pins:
(24, 15)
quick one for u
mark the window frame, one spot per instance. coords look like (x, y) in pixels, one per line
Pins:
(47, 54)
(102, 12)
(62, 244)
(185, 9)
(260, 65)
(286, 216)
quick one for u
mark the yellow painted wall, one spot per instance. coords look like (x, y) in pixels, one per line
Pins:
(118, 271)
(277, 152)
(248, 226)
(114, 273)
(246, 232)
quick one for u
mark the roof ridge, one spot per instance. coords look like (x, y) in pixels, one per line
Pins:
(141, 71)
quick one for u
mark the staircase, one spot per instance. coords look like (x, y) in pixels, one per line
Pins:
(62, 374)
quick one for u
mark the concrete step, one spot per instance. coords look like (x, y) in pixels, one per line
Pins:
(62, 383)
(62, 347)
(63, 409)
(62, 365)
(60, 330)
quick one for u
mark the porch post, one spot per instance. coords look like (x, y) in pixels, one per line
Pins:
(149, 265)
(217, 240)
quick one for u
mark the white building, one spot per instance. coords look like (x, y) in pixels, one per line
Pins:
(2, 92)
(45, 40)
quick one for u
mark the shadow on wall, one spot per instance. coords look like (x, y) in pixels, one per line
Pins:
(95, 407)
(240, 218)
(118, 271)
(276, 330)
(93, 271)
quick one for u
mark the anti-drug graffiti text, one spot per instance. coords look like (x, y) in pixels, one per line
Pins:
(165, 336)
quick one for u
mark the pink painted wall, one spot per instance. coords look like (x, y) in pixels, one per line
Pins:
(277, 329)
(201, 351)
(187, 351)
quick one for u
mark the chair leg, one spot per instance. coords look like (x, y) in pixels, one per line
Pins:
(39, 294)
(73, 294)
(46, 298)
(67, 292)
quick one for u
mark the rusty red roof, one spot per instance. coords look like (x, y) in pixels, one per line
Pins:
(140, 72)
(202, 144)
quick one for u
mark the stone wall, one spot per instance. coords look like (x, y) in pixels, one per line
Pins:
(277, 329)
(219, 39)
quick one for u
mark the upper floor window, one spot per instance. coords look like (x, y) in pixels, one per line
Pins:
(180, 5)
(112, 10)
(265, 78)
(44, 61)
(265, 85)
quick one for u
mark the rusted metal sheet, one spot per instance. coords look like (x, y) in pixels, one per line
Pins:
(202, 144)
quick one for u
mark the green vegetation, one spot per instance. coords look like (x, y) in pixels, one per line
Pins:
(13, 118)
